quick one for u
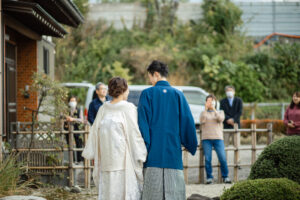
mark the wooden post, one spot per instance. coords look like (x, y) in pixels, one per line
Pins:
(253, 138)
(1, 147)
(270, 133)
(201, 154)
(185, 166)
(86, 162)
(2, 88)
(219, 173)
(282, 111)
(236, 151)
(71, 172)
(252, 111)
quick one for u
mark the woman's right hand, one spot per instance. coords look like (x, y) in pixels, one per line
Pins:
(291, 125)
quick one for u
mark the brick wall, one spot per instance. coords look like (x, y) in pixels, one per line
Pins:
(26, 66)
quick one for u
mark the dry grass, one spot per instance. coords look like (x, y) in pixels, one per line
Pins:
(10, 174)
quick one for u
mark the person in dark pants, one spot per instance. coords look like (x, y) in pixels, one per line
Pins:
(233, 108)
(101, 91)
(77, 118)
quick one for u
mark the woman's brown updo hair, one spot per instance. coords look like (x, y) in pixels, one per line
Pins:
(117, 86)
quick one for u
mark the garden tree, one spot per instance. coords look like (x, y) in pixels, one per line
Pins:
(218, 73)
(161, 14)
(222, 15)
(210, 52)
(263, 189)
(279, 160)
(277, 66)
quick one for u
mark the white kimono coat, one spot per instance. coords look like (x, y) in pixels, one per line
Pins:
(118, 150)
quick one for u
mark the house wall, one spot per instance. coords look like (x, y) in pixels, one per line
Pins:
(26, 60)
(46, 43)
(26, 67)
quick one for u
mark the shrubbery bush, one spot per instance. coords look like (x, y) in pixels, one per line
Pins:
(263, 189)
(279, 160)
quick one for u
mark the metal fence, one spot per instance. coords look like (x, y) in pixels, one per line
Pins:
(254, 106)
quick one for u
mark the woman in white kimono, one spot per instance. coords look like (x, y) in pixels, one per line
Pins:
(117, 147)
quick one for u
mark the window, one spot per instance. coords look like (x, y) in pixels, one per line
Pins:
(46, 60)
(134, 96)
(195, 97)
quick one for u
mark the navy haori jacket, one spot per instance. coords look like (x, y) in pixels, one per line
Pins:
(166, 122)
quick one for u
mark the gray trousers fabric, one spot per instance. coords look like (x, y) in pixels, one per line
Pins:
(163, 184)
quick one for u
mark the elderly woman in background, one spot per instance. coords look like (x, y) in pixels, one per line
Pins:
(211, 122)
(292, 116)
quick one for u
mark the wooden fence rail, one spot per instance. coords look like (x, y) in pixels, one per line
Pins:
(41, 136)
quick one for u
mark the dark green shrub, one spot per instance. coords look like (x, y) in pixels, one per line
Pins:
(281, 159)
(263, 189)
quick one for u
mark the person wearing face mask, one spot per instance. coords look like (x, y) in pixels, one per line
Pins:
(292, 116)
(76, 117)
(233, 108)
(211, 122)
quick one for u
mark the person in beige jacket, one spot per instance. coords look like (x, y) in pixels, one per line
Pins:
(211, 122)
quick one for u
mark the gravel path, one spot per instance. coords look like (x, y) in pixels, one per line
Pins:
(54, 193)
(213, 190)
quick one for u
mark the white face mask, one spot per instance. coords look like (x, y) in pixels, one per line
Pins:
(230, 94)
(73, 104)
(213, 104)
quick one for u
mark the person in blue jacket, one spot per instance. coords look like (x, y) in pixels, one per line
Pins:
(101, 91)
(166, 122)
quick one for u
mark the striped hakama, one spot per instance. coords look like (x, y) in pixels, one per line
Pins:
(163, 184)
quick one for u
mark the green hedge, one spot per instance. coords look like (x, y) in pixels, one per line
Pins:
(263, 189)
(281, 159)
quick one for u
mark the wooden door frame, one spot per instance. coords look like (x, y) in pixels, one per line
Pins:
(6, 119)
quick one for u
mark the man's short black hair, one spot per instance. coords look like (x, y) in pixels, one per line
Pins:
(160, 67)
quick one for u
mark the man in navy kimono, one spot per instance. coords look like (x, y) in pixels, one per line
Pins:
(166, 123)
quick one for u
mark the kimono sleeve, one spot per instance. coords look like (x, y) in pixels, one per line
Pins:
(187, 126)
(137, 146)
(89, 151)
(144, 117)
